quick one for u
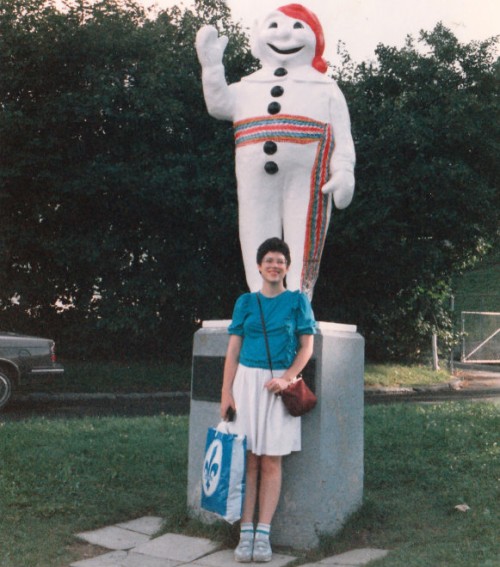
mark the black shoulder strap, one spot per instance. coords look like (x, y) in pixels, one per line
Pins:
(265, 332)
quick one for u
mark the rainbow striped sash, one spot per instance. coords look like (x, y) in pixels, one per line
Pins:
(299, 130)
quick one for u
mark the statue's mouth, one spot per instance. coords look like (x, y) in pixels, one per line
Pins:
(285, 51)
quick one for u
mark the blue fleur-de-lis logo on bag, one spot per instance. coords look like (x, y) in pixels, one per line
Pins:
(212, 467)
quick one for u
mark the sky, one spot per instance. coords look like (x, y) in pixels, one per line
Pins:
(363, 24)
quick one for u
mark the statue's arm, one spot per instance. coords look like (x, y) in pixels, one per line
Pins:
(341, 183)
(219, 97)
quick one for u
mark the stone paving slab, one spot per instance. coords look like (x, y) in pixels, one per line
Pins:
(106, 560)
(177, 547)
(138, 560)
(356, 557)
(113, 537)
(148, 525)
(133, 547)
(225, 558)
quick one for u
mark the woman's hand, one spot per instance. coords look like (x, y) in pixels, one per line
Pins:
(227, 401)
(277, 385)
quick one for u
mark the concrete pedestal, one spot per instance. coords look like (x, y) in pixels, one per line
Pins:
(323, 484)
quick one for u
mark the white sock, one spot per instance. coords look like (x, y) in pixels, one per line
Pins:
(263, 531)
(246, 531)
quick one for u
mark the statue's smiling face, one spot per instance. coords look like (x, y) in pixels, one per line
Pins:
(281, 40)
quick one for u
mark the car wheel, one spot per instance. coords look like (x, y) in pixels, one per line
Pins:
(5, 389)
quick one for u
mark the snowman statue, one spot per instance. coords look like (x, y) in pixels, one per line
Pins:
(293, 140)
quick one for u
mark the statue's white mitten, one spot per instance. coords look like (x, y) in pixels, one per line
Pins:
(210, 47)
(342, 186)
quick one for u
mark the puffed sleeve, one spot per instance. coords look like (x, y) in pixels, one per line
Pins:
(306, 323)
(240, 312)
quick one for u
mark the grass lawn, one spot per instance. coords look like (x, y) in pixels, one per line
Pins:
(421, 461)
(59, 477)
(395, 375)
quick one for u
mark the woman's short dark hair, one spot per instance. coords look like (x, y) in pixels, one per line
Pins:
(273, 245)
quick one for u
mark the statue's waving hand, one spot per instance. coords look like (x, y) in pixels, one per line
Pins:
(210, 47)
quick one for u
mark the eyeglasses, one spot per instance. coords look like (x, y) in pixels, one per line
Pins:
(279, 261)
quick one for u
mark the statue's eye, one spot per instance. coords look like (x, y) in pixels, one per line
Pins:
(273, 25)
(298, 26)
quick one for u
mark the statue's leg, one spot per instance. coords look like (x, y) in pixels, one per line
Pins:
(260, 216)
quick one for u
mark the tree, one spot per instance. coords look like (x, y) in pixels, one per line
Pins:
(425, 122)
(117, 189)
(116, 186)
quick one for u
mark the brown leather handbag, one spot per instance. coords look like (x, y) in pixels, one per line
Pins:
(297, 397)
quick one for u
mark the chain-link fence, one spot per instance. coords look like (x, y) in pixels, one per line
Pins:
(480, 337)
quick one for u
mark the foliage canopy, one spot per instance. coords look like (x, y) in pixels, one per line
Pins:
(425, 123)
(119, 227)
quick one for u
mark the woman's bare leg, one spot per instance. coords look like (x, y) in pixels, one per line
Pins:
(270, 487)
(252, 479)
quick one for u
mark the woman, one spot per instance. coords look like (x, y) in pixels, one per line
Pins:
(250, 391)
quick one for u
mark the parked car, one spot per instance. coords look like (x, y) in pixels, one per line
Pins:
(24, 359)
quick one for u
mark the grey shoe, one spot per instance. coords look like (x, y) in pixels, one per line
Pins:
(262, 552)
(243, 553)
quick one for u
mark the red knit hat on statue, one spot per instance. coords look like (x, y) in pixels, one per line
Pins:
(301, 13)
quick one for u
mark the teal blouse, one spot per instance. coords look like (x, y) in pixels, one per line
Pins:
(287, 316)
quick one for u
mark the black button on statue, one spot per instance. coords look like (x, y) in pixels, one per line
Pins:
(280, 72)
(270, 148)
(271, 167)
(274, 108)
(277, 91)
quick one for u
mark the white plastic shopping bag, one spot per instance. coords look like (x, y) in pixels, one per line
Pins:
(223, 478)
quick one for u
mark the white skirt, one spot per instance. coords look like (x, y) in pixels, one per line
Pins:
(262, 416)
